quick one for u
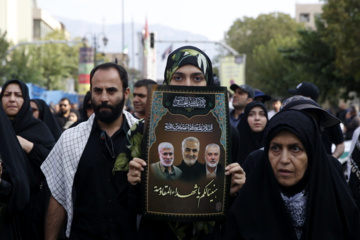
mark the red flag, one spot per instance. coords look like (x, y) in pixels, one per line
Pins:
(146, 29)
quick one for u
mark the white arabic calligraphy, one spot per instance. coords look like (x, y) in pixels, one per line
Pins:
(189, 102)
(188, 127)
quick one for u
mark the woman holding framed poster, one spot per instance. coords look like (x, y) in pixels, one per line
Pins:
(186, 66)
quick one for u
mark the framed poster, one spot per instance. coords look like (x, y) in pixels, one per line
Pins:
(187, 138)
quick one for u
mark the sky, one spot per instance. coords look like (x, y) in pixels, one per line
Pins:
(206, 17)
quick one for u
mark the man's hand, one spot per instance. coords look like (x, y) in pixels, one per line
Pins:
(55, 218)
(237, 177)
(135, 168)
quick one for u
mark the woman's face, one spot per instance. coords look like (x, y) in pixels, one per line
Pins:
(12, 100)
(188, 75)
(35, 109)
(257, 119)
(288, 158)
(72, 117)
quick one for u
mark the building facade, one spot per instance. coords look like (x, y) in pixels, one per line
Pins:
(23, 21)
(307, 13)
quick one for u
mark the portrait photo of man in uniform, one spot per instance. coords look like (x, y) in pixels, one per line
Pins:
(164, 169)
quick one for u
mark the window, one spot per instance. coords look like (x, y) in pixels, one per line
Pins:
(304, 17)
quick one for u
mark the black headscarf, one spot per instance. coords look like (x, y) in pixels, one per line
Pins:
(259, 211)
(84, 116)
(87, 98)
(24, 123)
(48, 118)
(14, 166)
(249, 140)
(188, 55)
(33, 130)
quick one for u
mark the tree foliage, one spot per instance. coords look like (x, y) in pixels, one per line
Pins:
(248, 33)
(342, 19)
(23, 66)
(315, 57)
(46, 65)
(273, 73)
(4, 46)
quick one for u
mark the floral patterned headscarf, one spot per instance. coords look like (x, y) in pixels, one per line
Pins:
(188, 55)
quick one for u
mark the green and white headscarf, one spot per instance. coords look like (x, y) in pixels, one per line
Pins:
(188, 55)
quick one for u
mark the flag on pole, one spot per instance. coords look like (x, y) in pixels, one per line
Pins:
(146, 47)
(146, 37)
(166, 53)
(146, 29)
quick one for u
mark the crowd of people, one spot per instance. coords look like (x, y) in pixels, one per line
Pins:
(78, 174)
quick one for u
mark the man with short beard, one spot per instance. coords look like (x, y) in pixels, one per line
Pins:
(212, 156)
(164, 169)
(63, 115)
(140, 97)
(191, 169)
(80, 171)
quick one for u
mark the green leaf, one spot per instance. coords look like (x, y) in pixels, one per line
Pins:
(121, 163)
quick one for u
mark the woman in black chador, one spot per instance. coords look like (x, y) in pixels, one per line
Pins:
(36, 141)
(294, 190)
(14, 183)
(45, 115)
(252, 129)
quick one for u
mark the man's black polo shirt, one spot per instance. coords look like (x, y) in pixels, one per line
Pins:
(100, 197)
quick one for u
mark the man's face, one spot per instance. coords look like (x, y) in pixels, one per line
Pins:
(190, 152)
(140, 97)
(166, 156)
(212, 156)
(276, 106)
(107, 97)
(240, 99)
(64, 107)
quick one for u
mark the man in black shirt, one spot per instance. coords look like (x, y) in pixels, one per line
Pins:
(80, 169)
(63, 115)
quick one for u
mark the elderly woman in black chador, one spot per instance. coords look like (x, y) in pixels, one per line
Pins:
(36, 140)
(294, 190)
(14, 183)
(42, 111)
(252, 129)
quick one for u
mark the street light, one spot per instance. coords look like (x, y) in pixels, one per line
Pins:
(104, 39)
